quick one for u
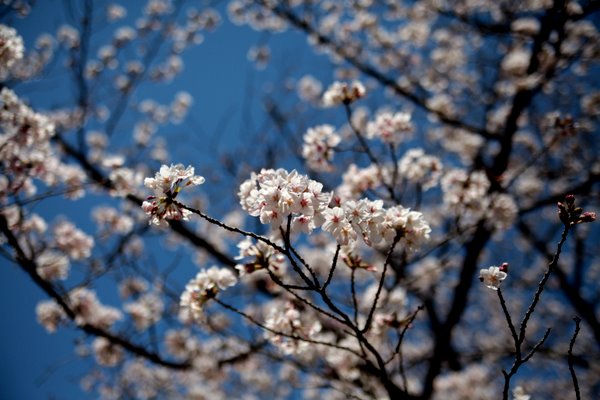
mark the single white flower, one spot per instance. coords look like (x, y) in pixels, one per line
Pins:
(492, 277)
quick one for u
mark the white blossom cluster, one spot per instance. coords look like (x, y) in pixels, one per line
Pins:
(50, 314)
(72, 241)
(89, 310)
(319, 146)
(466, 195)
(356, 181)
(167, 184)
(420, 168)
(204, 287)
(111, 220)
(262, 256)
(85, 305)
(343, 93)
(11, 48)
(391, 128)
(309, 88)
(106, 353)
(146, 311)
(24, 140)
(370, 221)
(181, 343)
(285, 321)
(52, 265)
(273, 195)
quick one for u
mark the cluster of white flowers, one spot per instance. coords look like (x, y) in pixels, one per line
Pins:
(369, 220)
(390, 128)
(11, 48)
(520, 394)
(145, 311)
(473, 382)
(24, 140)
(319, 145)
(309, 88)
(68, 36)
(287, 320)
(493, 276)
(167, 184)
(273, 195)
(72, 241)
(106, 353)
(263, 257)
(132, 286)
(204, 287)
(260, 55)
(180, 106)
(180, 343)
(88, 310)
(110, 220)
(50, 314)
(52, 265)
(356, 181)
(343, 93)
(115, 12)
(420, 168)
(466, 195)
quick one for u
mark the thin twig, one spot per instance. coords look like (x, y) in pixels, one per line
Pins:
(295, 337)
(381, 280)
(333, 265)
(542, 284)
(511, 326)
(570, 358)
(354, 300)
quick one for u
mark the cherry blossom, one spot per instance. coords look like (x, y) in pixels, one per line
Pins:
(343, 93)
(205, 286)
(167, 184)
(492, 277)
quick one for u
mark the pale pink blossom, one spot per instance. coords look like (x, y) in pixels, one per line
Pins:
(262, 256)
(52, 265)
(338, 225)
(309, 88)
(319, 146)
(167, 184)
(273, 195)
(420, 168)
(391, 128)
(492, 277)
(146, 311)
(88, 310)
(72, 241)
(50, 314)
(11, 48)
(106, 353)
(343, 93)
(205, 286)
(288, 320)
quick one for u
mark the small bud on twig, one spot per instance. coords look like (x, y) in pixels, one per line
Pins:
(571, 215)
